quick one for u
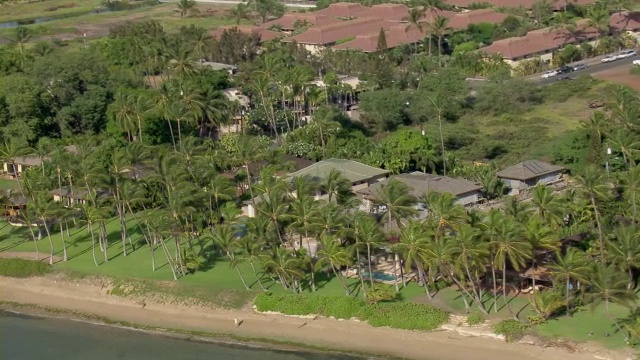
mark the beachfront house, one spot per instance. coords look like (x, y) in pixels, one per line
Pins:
(360, 176)
(467, 192)
(20, 165)
(528, 174)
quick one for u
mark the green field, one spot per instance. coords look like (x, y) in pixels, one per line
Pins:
(21, 10)
(8, 184)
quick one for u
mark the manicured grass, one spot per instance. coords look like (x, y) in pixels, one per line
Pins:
(22, 268)
(8, 184)
(47, 8)
(588, 325)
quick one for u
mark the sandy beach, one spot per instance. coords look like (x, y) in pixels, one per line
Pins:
(91, 297)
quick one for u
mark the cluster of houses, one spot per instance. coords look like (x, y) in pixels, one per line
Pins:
(353, 26)
(367, 181)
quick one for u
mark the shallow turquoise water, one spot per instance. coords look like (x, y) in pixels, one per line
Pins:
(25, 337)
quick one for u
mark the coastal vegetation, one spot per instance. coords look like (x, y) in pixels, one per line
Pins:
(138, 176)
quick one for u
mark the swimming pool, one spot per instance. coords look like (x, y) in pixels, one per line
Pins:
(380, 276)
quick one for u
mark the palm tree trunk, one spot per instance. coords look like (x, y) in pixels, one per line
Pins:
(423, 278)
(369, 261)
(495, 287)
(395, 272)
(93, 242)
(46, 228)
(344, 283)
(33, 236)
(362, 284)
(600, 235)
(173, 138)
(179, 133)
(242, 278)
(256, 275)
(168, 256)
(64, 243)
(504, 289)
(444, 157)
(567, 299)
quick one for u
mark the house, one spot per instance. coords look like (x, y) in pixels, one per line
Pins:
(528, 174)
(13, 208)
(20, 165)
(360, 176)
(466, 192)
(289, 22)
(344, 10)
(68, 197)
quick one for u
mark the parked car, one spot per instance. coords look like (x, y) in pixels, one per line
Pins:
(609, 58)
(636, 62)
(549, 74)
(564, 69)
(580, 66)
(626, 54)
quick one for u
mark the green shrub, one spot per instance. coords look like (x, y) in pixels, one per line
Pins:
(475, 319)
(22, 268)
(511, 329)
(408, 316)
(635, 70)
(394, 314)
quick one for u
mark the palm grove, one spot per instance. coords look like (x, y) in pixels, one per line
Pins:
(143, 115)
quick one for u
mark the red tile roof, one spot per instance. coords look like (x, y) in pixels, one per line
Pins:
(396, 35)
(288, 21)
(627, 21)
(394, 12)
(342, 10)
(528, 4)
(539, 41)
(328, 34)
(463, 20)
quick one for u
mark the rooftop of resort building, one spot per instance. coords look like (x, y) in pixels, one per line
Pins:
(352, 170)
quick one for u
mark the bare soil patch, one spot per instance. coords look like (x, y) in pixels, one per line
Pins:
(619, 75)
(26, 255)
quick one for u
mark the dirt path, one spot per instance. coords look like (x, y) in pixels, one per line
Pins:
(26, 255)
(92, 298)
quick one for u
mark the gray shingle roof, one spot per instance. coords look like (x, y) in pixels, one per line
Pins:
(351, 170)
(28, 160)
(529, 169)
(420, 183)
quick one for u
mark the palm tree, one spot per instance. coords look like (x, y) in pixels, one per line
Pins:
(413, 246)
(413, 21)
(398, 203)
(185, 6)
(443, 211)
(598, 17)
(94, 216)
(572, 265)
(332, 253)
(163, 106)
(22, 35)
(440, 27)
(44, 209)
(336, 185)
(123, 112)
(239, 13)
(252, 251)
(287, 267)
(631, 187)
(368, 233)
(592, 184)
(225, 238)
(546, 206)
(607, 285)
(629, 145)
(624, 250)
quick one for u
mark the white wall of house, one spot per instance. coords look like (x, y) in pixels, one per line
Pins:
(468, 198)
(548, 178)
(248, 210)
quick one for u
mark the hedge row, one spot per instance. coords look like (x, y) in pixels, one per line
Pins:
(22, 268)
(396, 315)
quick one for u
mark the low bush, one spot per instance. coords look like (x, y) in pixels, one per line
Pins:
(511, 329)
(22, 268)
(393, 314)
(635, 70)
(407, 316)
(475, 319)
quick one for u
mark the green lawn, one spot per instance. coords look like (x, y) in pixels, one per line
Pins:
(45, 8)
(8, 184)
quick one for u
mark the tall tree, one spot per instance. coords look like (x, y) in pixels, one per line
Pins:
(592, 183)
(572, 266)
(396, 203)
(440, 27)
(413, 21)
(185, 7)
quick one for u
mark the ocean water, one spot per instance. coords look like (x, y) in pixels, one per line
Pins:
(24, 337)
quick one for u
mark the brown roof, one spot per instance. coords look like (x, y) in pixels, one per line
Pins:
(342, 9)
(527, 4)
(28, 161)
(529, 169)
(627, 21)
(463, 20)
(393, 12)
(539, 41)
(323, 35)
(395, 36)
(288, 21)
(420, 184)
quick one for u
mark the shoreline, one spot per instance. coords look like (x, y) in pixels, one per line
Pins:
(91, 300)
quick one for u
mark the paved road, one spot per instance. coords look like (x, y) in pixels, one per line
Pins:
(235, 2)
(593, 68)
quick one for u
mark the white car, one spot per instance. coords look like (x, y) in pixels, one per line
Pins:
(636, 62)
(549, 74)
(609, 58)
(626, 54)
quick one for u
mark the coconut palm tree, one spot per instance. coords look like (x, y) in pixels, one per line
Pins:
(624, 250)
(629, 145)
(398, 203)
(185, 6)
(546, 206)
(224, 237)
(413, 246)
(440, 27)
(123, 112)
(593, 185)
(598, 17)
(367, 232)
(631, 188)
(572, 266)
(413, 21)
(607, 285)
(443, 212)
(239, 13)
(44, 209)
(335, 185)
(251, 246)
(94, 216)
(287, 267)
(332, 253)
